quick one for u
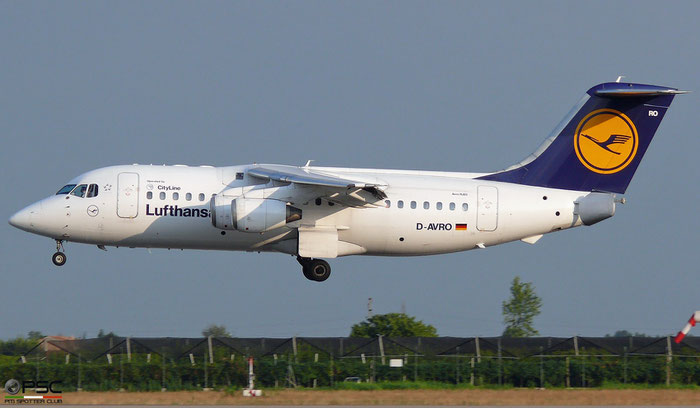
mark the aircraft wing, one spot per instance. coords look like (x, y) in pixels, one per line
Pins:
(354, 193)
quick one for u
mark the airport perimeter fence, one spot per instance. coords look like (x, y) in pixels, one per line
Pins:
(113, 363)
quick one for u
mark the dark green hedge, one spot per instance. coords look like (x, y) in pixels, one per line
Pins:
(528, 372)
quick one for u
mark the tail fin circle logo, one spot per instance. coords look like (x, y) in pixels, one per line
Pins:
(606, 141)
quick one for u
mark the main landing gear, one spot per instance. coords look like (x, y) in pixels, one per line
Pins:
(315, 269)
(59, 258)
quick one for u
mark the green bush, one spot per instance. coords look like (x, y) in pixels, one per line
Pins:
(442, 372)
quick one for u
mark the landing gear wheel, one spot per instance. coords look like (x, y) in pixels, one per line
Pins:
(319, 270)
(307, 273)
(314, 269)
(59, 258)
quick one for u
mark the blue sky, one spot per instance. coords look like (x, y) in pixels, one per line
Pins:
(454, 86)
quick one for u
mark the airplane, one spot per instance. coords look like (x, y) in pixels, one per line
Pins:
(318, 213)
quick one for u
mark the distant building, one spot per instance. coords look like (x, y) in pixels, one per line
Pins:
(48, 347)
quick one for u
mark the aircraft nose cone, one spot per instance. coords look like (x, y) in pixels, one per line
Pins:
(23, 219)
(20, 219)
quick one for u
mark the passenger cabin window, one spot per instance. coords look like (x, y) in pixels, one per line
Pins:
(92, 190)
(188, 196)
(399, 204)
(79, 191)
(149, 195)
(162, 195)
(413, 205)
(452, 206)
(176, 196)
(426, 205)
(201, 196)
(239, 176)
(66, 189)
(465, 206)
(438, 205)
(388, 203)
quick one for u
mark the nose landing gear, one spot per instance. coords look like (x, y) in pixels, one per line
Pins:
(59, 258)
(315, 269)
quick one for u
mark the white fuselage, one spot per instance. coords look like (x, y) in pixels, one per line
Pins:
(424, 212)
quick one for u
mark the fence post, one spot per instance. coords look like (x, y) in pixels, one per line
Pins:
(478, 350)
(541, 368)
(669, 359)
(415, 369)
(471, 377)
(206, 373)
(478, 357)
(274, 356)
(294, 348)
(381, 349)
(128, 349)
(121, 369)
(583, 371)
(500, 363)
(80, 374)
(332, 373)
(211, 351)
(457, 367)
(568, 372)
(162, 380)
(624, 366)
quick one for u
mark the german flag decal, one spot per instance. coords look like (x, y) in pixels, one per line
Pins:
(461, 227)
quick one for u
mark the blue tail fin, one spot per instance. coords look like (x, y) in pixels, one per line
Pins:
(599, 145)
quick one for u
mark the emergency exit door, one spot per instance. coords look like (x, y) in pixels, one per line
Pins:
(128, 195)
(487, 208)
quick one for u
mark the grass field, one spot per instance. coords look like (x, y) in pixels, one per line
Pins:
(689, 397)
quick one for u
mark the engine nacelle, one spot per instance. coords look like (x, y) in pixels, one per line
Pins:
(260, 215)
(220, 210)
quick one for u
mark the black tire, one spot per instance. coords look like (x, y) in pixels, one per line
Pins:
(59, 259)
(319, 270)
(307, 273)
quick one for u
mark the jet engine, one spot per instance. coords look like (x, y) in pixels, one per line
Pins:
(220, 210)
(251, 214)
(260, 214)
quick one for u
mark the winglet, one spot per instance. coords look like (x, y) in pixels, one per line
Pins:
(308, 163)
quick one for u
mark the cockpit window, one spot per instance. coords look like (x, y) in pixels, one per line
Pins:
(92, 190)
(65, 189)
(79, 191)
